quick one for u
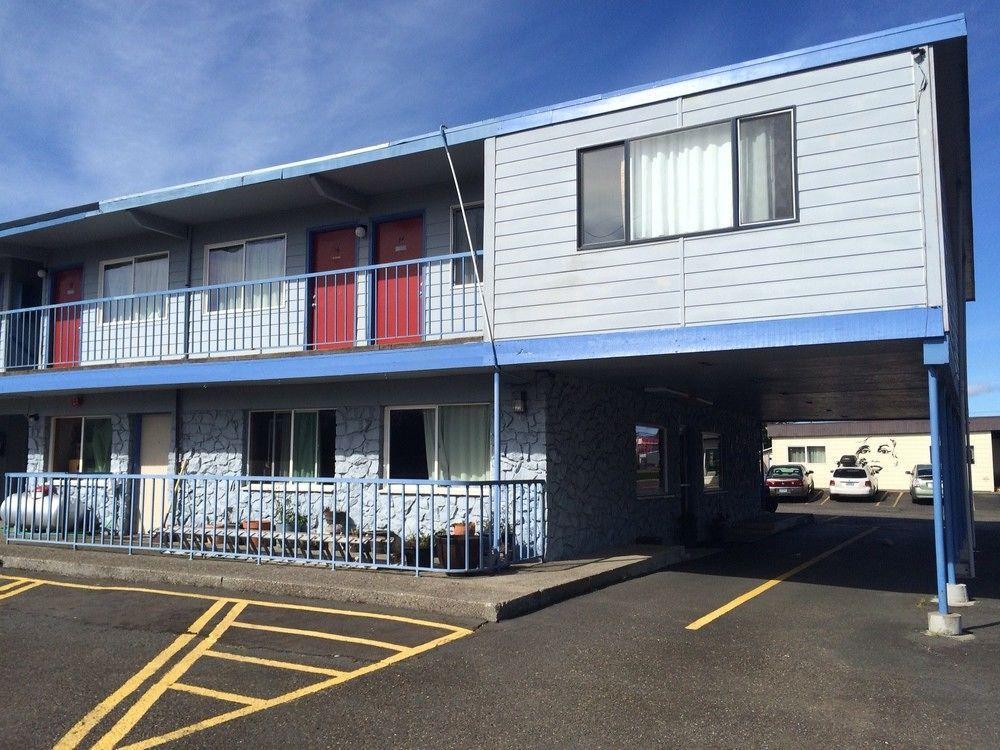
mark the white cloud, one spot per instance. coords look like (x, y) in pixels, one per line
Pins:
(981, 389)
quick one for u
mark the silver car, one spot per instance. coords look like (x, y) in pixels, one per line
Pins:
(921, 483)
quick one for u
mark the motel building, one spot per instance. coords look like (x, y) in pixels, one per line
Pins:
(890, 448)
(442, 352)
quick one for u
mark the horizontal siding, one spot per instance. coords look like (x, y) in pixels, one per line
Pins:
(859, 243)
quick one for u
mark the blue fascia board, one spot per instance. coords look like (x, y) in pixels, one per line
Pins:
(916, 323)
(937, 351)
(889, 40)
(913, 323)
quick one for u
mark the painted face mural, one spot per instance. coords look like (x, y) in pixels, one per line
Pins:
(877, 453)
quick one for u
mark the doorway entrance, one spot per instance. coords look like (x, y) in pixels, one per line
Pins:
(67, 287)
(397, 287)
(333, 323)
(154, 459)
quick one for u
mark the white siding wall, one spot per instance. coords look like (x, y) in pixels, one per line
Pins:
(861, 242)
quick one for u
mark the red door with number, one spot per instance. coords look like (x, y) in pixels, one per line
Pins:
(334, 318)
(397, 292)
(67, 286)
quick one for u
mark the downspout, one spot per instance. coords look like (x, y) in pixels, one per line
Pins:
(495, 526)
(937, 479)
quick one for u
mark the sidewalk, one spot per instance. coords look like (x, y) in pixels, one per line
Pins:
(521, 589)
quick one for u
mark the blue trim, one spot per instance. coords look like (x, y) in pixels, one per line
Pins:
(937, 351)
(916, 323)
(889, 40)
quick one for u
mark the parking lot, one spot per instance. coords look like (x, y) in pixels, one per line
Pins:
(807, 638)
(887, 503)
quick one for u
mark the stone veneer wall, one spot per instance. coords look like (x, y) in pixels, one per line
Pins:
(590, 466)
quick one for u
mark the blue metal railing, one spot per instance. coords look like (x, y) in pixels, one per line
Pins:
(429, 299)
(416, 525)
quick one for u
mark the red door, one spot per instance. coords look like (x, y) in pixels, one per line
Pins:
(67, 286)
(397, 292)
(334, 319)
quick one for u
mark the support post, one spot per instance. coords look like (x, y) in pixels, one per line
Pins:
(939, 553)
(496, 466)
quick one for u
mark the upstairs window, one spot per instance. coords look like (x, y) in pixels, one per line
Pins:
(237, 262)
(462, 270)
(710, 178)
(134, 276)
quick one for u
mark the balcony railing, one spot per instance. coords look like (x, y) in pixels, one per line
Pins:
(415, 525)
(431, 299)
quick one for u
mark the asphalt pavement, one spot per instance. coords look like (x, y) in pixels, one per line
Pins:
(809, 638)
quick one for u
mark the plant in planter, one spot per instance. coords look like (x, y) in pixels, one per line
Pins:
(417, 549)
(292, 519)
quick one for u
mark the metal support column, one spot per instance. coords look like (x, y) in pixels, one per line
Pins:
(496, 465)
(939, 551)
(947, 480)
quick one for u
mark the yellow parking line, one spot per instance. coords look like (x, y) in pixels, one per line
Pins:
(825, 499)
(754, 592)
(321, 634)
(74, 736)
(139, 709)
(899, 496)
(294, 695)
(296, 666)
(16, 582)
(221, 695)
(21, 590)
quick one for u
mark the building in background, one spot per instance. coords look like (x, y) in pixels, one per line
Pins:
(890, 447)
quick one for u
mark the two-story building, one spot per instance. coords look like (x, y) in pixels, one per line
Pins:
(334, 355)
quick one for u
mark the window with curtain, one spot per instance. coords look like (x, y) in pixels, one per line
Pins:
(462, 270)
(140, 275)
(439, 442)
(766, 171)
(602, 195)
(253, 260)
(797, 454)
(688, 181)
(291, 443)
(81, 445)
(816, 454)
(682, 182)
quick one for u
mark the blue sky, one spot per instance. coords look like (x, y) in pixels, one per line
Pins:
(100, 99)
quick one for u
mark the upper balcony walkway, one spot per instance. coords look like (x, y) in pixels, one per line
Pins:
(408, 302)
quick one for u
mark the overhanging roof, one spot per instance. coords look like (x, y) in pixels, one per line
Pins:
(27, 230)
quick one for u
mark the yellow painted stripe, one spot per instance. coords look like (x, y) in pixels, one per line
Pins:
(291, 696)
(321, 634)
(252, 602)
(145, 702)
(21, 590)
(221, 695)
(275, 663)
(754, 592)
(75, 735)
(15, 582)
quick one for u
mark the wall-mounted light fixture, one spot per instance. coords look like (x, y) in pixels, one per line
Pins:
(360, 231)
(76, 401)
(520, 403)
(41, 273)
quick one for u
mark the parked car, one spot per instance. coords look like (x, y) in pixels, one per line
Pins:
(789, 480)
(853, 481)
(921, 483)
(848, 459)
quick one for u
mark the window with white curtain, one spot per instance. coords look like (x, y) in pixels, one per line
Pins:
(438, 442)
(134, 276)
(260, 260)
(702, 179)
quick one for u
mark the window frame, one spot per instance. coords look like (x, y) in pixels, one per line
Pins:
(810, 449)
(720, 473)
(734, 145)
(291, 442)
(387, 430)
(242, 306)
(662, 488)
(805, 453)
(131, 259)
(83, 427)
(481, 257)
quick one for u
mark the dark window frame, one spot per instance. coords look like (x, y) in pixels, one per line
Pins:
(734, 145)
(321, 414)
(662, 481)
(459, 270)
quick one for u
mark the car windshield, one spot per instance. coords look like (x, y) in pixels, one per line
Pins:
(785, 471)
(924, 473)
(850, 473)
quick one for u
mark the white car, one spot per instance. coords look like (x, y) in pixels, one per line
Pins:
(853, 481)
